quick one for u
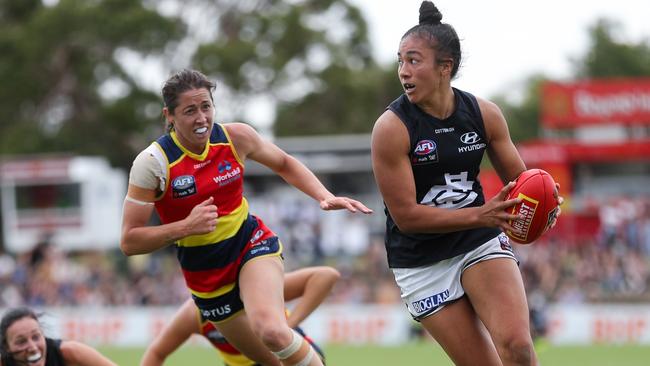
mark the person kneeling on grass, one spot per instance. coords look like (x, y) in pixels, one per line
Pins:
(311, 285)
(22, 342)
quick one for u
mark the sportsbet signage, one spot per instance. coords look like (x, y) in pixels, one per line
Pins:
(592, 102)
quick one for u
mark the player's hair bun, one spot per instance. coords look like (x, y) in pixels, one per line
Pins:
(429, 14)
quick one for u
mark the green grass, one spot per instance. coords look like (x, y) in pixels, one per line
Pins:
(412, 354)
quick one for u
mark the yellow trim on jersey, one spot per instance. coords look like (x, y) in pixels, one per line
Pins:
(199, 157)
(235, 360)
(227, 227)
(232, 146)
(218, 292)
(204, 154)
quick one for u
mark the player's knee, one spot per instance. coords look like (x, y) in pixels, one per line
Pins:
(518, 349)
(266, 325)
(274, 335)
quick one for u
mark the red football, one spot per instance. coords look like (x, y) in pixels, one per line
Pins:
(539, 206)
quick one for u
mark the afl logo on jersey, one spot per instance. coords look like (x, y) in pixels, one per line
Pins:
(183, 186)
(426, 151)
(425, 147)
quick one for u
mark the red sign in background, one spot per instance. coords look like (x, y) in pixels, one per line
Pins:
(620, 101)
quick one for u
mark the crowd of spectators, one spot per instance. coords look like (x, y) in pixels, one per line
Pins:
(610, 266)
(613, 265)
(49, 276)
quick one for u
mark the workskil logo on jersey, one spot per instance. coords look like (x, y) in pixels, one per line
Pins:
(426, 151)
(183, 186)
(227, 174)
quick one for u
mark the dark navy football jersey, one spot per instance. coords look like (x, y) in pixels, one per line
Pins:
(445, 156)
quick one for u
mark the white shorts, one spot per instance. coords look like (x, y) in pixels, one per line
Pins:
(425, 290)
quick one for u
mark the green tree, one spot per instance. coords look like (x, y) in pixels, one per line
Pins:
(608, 57)
(64, 89)
(312, 57)
(523, 116)
(68, 88)
(349, 102)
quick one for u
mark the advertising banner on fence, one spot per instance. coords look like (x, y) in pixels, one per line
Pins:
(593, 102)
(350, 324)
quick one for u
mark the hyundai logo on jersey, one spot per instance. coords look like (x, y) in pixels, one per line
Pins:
(470, 138)
(183, 186)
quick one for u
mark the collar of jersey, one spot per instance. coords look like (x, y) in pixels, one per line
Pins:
(192, 155)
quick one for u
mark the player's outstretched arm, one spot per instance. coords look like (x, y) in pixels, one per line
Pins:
(183, 324)
(249, 144)
(312, 285)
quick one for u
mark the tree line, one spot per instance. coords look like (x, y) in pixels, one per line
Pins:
(69, 85)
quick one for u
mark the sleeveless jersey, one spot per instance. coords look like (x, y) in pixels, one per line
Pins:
(54, 355)
(191, 179)
(445, 157)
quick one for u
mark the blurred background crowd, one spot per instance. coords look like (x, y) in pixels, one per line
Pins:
(613, 266)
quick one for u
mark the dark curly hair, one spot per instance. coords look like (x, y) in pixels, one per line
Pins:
(442, 37)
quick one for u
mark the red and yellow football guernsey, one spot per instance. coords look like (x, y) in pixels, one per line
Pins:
(192, 178)
(211, 262)
(230, 355)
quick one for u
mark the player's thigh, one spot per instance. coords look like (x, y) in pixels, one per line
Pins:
(496, 291)
(461, 334)
(261, 283)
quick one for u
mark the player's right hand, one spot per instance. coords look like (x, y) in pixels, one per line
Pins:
(203, 218)
(493, 212)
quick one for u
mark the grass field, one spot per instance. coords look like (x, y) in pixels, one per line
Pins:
(412, 354)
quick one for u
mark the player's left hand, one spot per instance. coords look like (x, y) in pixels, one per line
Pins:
(560, 200)
(338, 203)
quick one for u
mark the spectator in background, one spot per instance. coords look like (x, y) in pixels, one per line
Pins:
(22, 342)
(538, 317)
(564, 272)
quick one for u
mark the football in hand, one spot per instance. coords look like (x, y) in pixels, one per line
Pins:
(538, 207)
